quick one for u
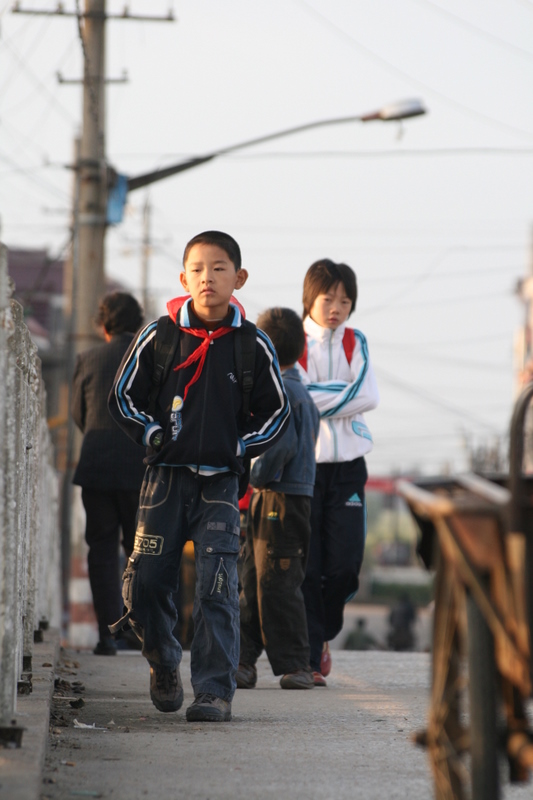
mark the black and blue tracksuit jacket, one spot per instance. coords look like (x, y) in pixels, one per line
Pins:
(206, 432)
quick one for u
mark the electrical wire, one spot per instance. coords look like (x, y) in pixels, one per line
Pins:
(41, 86)
(412, 354)
(490, 37)
(431, 399)
(25, 172)
(310, 10)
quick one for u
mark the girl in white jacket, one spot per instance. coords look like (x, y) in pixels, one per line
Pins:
(337, 371)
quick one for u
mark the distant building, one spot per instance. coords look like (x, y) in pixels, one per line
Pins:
(40, 289)
(38, 283)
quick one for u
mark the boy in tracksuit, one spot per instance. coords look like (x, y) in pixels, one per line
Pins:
(279, 527)
(196, 439)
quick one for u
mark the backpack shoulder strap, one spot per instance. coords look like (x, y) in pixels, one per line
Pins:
(166, 341)
(348, 342)
(245, 344)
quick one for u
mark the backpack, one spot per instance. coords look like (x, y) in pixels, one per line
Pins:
(166, 342)
(348, 343)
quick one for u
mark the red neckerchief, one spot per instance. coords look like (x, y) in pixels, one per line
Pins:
(200, 353)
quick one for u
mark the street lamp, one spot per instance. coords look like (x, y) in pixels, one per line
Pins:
(390, 113)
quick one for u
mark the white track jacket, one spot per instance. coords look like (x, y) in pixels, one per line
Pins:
(342, 392)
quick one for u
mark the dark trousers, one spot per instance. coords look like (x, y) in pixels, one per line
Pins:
(338, 532)
(271, 601)
(108, 514)
(175, 506)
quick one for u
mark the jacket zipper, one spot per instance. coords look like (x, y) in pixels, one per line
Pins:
(330, 348)
(207, 366)
(330, 377)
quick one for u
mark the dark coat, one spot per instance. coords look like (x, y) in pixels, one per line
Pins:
(109, 460)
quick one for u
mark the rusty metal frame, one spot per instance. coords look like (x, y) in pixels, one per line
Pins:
(471, 517)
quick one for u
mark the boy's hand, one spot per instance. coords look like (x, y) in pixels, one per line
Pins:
(154, 436)
(157, 440)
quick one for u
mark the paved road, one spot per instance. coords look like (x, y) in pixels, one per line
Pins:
(351, 740)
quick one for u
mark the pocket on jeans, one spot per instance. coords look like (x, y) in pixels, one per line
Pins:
(128, 579)
(156, 487)
(218, 565)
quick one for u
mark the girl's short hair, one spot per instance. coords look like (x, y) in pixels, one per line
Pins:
(322, 276)
(285, 330)
(220, 239)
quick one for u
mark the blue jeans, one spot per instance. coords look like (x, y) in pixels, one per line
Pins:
(176, 505)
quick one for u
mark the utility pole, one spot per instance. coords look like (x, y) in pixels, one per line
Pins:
(93, 175)
(94, 172)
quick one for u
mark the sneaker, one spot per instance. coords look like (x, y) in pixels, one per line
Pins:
(106, 647)
(246, 676)
(318, 679)
(128, 640)
(209, 708)
(166, 690)
(300, 679)
(325, 660)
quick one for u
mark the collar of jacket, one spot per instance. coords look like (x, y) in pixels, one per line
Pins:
(291, 372)
(183, 304)
(321, 334)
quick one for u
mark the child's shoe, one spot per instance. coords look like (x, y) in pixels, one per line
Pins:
(318, 679)
(209, 708)
(106, 647)
(246, 676)
(300, 679)
(166, 690)
(325, 660)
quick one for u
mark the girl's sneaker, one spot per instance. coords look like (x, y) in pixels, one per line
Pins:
(325, 660)
(319, 679)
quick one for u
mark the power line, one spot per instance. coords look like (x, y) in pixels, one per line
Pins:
(434, 400)
(39, 83)
(441, 301)
(400, 152)
(411, 353)
(384, 62)
(513, 48)
(27, 173)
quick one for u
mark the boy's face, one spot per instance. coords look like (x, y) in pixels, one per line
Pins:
(332, 308)
(211, 278)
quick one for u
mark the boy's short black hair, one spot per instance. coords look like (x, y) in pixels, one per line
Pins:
(220, 239)
(320, 278)
(119, 312)
(285, 329)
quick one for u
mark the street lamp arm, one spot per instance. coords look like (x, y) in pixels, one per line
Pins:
(395, 111)
(159, 174)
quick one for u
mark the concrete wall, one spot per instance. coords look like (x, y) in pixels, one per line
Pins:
(29, 530)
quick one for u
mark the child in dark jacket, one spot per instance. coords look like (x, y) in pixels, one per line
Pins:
(196, 437)
(277, 537)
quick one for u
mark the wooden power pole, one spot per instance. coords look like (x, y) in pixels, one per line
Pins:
(94, 172)
(92, 212)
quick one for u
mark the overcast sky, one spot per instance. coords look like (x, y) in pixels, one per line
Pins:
(434, 216)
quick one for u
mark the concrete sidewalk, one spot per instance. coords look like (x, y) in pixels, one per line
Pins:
(21, 769)
(350, 740)
(106, 739)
